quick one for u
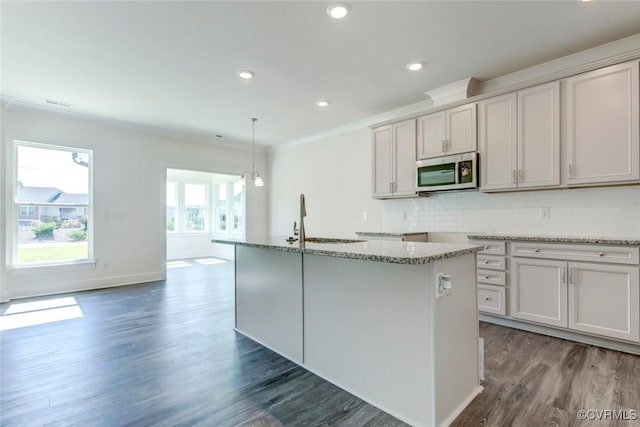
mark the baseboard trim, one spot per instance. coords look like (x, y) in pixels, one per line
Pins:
(558, 333)
(24, 291)
(452, 417)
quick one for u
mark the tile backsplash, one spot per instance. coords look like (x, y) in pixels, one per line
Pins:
(604, 211)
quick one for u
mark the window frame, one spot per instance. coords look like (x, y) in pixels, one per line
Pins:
(14, 212)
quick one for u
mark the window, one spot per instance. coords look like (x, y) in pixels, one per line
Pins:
(201, 201)
(172, 206)
(195, 200)
(52, 204)
(229, 207)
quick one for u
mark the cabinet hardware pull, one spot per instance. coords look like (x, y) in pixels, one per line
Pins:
(536, 250)
(443, 150)
(486, 247)
(570, 170)
(486, 277)
(485, 262)
(513, 176)
(564, 274)
(601, 253)
(520, 180)
(487, 299)
(572, 276)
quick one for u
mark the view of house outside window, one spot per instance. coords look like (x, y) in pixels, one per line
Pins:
(195, 199)
(52, 201)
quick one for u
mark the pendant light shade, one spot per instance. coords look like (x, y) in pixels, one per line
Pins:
(255, 177)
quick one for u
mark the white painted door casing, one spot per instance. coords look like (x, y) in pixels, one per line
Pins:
(602, 133)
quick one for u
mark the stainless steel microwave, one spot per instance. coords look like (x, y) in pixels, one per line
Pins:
(455, 172)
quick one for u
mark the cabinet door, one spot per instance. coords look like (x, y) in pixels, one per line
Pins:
(603, 299)
(497, 142)
(404, 164)
(382, 169)
(461, 134)
(539, 136)
(431, 135)
(539, 291)
(602, 125)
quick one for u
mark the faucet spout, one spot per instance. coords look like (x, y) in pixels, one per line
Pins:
(303, 213)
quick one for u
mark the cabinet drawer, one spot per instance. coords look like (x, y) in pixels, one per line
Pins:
(492, 299)
(491, 277)
(491, 247)
(595, 253)
(491, 262)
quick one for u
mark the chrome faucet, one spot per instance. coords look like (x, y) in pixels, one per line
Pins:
(303, 213)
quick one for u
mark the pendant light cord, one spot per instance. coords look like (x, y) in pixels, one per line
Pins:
(253, 148)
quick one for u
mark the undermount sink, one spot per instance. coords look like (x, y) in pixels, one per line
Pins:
(323, 240)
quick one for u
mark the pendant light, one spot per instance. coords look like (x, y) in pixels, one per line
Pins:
(256, 179)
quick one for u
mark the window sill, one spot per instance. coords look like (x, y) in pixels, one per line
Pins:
(21, 270)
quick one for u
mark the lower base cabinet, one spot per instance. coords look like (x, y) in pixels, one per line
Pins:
(550, 284)
(539, 291)
(604, 299)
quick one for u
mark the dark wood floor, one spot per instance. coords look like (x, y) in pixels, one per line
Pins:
(165, 354)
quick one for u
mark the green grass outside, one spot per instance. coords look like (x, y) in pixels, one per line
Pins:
(46, 253)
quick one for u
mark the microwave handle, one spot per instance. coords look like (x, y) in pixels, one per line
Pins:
(457, 172)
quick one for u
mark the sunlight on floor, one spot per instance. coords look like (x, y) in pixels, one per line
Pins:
(20, 315)
(177, 264)
(209, 261)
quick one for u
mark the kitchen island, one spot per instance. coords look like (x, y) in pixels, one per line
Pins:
(394, 323)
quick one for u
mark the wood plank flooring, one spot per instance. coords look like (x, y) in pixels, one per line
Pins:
(165, 354)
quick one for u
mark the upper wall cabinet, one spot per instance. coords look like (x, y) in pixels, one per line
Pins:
(519, 141)
(394, 160)
(447, 132)
(602, 126)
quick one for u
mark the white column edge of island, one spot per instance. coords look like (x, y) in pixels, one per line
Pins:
(365, 317)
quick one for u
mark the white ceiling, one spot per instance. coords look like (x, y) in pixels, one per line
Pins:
(172, 65)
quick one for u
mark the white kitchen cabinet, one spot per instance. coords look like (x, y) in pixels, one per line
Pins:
(519, 141)
(447, 132)
(394, 160)
(497, 137)
(539, 291)
(604, 300)
(602, 135)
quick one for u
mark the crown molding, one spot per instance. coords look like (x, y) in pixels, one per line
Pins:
(10, 102)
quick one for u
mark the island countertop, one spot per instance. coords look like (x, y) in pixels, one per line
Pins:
(372, 250)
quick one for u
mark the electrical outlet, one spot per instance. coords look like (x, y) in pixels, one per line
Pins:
(365, 216)
(544, 212)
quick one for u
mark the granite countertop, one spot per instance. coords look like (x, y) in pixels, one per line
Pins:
(399, 234)
(375, 250)
(622, 241)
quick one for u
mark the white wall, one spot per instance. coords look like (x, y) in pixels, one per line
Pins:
(129, 184)
(334, 173)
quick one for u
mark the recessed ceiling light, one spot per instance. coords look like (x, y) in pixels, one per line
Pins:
(246, 74)
(338, 10)
(322, 103)
(415, 66)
